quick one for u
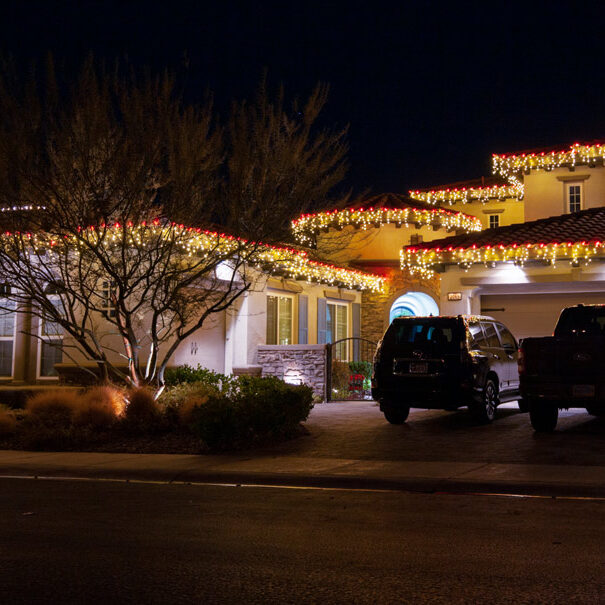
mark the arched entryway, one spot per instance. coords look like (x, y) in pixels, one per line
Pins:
(413, 303)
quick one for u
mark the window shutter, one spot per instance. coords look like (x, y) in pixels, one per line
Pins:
(322, 331)
(303, 319)
(356, 313)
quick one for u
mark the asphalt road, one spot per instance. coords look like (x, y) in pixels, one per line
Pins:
(358, 430)
(107, 542)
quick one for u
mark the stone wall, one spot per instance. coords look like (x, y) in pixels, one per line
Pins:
(296, 364)
(375, 307)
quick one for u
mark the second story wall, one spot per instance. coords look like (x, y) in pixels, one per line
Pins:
(558, 191)
(509, 212)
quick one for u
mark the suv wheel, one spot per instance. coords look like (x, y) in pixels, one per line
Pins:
(523, 405)
(485, 409)
(543, 416)
(396, 414)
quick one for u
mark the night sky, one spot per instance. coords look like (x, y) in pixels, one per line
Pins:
(429, 89)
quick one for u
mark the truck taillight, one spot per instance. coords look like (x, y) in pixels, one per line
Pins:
(521, 362)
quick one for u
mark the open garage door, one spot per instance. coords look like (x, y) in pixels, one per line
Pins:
(533, 314)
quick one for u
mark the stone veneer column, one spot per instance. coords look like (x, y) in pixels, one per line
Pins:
(296, 364)
(375, 307)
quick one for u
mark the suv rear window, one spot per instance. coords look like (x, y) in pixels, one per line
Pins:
(427, 332)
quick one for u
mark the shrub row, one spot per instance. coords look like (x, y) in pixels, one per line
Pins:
(223, 412)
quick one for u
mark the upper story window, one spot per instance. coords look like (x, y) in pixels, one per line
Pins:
(279, 320)
(494, 221)
(573, 197)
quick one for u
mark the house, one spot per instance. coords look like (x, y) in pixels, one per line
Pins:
(275, 310)
(544, 251)
(518, 245)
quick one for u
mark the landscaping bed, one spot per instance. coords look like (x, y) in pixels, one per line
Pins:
(199, 412)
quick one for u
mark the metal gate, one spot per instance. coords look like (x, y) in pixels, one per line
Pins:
(349, 362)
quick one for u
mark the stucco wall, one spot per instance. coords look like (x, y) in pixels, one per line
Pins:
(382, 243)
(545, 191)
(509, 211)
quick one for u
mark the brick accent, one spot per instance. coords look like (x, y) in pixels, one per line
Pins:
(375, 308)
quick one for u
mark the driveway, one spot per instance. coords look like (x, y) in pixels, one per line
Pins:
(358, 430)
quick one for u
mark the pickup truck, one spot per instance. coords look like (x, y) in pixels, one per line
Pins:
(565, 370)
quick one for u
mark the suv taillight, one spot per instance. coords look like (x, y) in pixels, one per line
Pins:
(521, 362)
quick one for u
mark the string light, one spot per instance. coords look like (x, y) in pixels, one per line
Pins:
(577, 154)
(195, 242)
(422, 261)
(308, 226)
(466, 195)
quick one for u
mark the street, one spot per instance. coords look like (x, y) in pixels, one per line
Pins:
(90, 541)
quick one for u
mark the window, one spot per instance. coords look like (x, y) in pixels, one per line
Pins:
(7, 337)
(107, 292)
(491, 335)
(494, 221)
(279, 320)
(337, 328)
(574, 197)
(477, 340)
(508, 340)
(50, 346)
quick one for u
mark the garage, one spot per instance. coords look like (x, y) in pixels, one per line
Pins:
(534, 314)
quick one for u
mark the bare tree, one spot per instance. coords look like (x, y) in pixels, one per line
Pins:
(135, 215)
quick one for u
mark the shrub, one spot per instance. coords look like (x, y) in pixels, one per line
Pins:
(186, 374)
(8, 422)
(99, 407)
(142, 409)
(184, 398)
(257, 409)
(361, 367)
(52, 407)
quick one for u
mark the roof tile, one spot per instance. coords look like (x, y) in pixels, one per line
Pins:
(586, 225)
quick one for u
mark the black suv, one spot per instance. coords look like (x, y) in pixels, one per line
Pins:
(444, 363)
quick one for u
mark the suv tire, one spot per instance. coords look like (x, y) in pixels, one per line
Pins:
(523, 405)
(543, 416)
(484, 410)
(396, 414)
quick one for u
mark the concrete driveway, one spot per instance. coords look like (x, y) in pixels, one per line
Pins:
(358, 430)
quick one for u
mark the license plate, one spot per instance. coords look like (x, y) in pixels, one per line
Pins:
(419, 367)
(582, 390)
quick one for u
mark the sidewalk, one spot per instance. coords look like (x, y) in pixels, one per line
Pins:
(550, 480)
